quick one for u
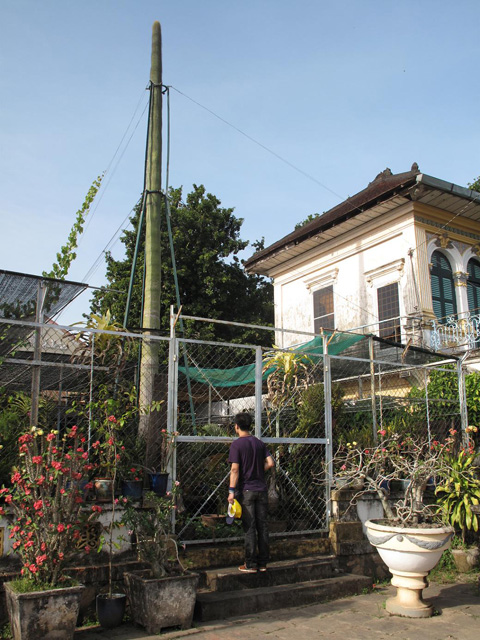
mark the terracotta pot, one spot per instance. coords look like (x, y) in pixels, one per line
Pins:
(212, 519)
(410, 554)
(48, 614)
(158, 603)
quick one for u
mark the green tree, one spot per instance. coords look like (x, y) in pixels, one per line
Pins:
(309, 218)
(475, 185)
(212, 281)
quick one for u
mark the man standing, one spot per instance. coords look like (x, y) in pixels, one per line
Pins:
(250, 459)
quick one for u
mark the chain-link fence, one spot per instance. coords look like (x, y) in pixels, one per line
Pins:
(175, 399)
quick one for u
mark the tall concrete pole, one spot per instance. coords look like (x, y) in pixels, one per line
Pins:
(151, 309)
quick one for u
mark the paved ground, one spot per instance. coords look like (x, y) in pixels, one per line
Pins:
(355, 618)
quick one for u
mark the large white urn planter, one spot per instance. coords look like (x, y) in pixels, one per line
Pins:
(410, 554)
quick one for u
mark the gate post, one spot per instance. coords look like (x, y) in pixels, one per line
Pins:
(462, 398)
(258, 391)
(327, 392)
(172, 390)
(372, 389)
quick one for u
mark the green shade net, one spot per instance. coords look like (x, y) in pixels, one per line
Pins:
(245, 374)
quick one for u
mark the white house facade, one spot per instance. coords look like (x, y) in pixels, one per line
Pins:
(400, 259)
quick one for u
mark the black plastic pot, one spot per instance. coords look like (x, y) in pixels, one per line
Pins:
(111, 609)
(158, 483)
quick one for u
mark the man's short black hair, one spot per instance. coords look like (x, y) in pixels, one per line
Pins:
(243, 421)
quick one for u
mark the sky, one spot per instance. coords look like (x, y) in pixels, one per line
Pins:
(339, 90)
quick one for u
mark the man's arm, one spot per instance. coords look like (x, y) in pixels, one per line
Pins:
(234, 474)
(269, 463)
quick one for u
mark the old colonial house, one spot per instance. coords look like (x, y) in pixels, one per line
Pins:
(400, 259)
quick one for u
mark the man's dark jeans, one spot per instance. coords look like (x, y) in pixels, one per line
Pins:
(254, 521)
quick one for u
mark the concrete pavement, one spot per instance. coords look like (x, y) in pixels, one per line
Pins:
(361, 617)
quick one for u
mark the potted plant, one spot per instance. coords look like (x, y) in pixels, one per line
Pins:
(47, 514)
(459, 497)
(411, 537)
(158, 475)
(110, 606)
(165, 595)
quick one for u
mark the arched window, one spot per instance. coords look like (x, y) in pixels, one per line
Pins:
(443, 288)
(473, 286)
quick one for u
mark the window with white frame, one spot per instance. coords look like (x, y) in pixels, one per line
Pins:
(323, 309)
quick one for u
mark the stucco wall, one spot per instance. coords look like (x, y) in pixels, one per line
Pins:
(356, 266)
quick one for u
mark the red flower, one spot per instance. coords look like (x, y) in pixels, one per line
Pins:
(112, 419)
(38, 505)
(60, 528)
(50, 437)
(96, 508)
(33, 568)
(37, 459)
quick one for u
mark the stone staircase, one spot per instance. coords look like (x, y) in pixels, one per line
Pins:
(226, 592)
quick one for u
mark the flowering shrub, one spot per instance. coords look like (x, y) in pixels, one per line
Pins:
(152, 529)
(46, 503)
(394, 458)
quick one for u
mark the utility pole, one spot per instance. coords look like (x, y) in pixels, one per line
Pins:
(151, 308)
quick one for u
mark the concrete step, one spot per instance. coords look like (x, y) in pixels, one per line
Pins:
(218, 605)
(282, 572)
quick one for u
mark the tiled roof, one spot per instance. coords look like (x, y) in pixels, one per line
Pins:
(381, 188)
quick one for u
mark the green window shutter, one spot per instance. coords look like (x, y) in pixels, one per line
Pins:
(473, 286)
(443, 288)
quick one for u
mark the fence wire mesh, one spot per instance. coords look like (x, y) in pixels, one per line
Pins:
(304, 405)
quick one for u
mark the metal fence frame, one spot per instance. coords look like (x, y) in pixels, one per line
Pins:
(374, 371)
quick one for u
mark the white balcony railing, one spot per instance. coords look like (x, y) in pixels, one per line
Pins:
(461, 330)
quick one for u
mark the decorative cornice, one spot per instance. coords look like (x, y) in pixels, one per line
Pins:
(447, 228)
(319, 281)
(386, 269)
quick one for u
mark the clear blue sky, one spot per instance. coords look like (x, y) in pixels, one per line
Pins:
(340, 90)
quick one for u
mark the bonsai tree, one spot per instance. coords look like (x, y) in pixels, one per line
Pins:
(151, 529)
(396, 458)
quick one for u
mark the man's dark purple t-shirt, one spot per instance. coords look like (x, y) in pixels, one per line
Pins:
(250, 453)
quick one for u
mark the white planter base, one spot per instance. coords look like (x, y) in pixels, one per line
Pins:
(410, 554)
(409, 602)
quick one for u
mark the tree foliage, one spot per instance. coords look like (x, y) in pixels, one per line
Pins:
(475, 185)
(309, 218)
(212, 281)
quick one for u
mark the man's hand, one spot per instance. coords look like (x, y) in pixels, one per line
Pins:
(231, 497)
